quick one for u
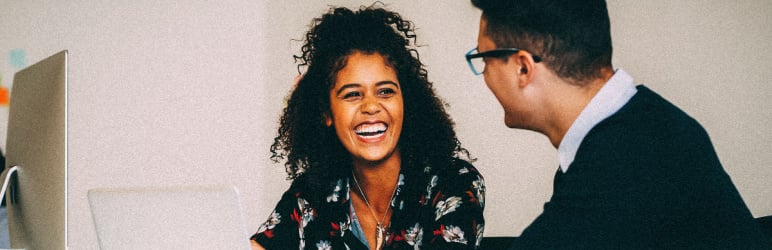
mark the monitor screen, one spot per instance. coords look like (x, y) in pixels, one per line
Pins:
(36, 145)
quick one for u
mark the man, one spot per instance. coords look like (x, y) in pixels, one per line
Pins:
(635, 171)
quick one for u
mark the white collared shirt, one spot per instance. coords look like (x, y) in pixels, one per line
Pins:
(609, 99)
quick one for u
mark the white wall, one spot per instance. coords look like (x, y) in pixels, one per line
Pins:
(190, 93)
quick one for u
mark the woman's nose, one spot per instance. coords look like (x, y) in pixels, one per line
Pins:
(371, 105)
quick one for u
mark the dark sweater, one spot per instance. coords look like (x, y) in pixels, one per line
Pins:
(646, 177)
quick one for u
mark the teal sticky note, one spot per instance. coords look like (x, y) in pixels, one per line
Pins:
(18, 58)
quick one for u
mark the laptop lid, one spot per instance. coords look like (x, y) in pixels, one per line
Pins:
(169, 218)
(36, 148)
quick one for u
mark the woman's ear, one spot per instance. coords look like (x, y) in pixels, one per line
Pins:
(327, 120)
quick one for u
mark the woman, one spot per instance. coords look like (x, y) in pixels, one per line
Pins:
(370, 149)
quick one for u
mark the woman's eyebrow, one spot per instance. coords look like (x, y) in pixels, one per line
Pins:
(357, 85)
(347, 86)
(387, 82)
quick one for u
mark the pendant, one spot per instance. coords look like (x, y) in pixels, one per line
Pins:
(379, 232)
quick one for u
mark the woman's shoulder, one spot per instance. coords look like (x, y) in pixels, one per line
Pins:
(460, 173)
(332, 191)
(458, 167)
(458, 185)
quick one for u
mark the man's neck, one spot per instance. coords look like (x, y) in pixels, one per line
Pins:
(567, 101)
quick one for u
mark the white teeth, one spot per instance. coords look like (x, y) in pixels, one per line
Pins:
(370, 129)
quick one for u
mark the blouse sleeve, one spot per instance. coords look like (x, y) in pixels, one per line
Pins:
(284, 225)
(458, 207)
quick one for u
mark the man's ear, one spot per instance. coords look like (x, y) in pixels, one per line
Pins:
(527, 67)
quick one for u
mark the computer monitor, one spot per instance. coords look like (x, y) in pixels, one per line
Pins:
(36, 145)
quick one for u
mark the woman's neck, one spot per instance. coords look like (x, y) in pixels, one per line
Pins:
(378, 180)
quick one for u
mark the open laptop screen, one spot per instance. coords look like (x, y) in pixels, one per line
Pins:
(194, 217)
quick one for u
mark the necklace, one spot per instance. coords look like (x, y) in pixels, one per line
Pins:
(380, 229)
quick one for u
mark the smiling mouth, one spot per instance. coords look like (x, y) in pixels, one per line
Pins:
(371, 130)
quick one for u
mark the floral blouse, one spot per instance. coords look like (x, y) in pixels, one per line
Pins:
(447, 214)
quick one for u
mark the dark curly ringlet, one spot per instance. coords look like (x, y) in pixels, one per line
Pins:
(573, 37)
(314, 155)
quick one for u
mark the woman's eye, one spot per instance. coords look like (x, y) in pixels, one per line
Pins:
(351, 95)
(386, 92)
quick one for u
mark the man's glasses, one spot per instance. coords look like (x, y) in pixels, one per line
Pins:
(477, 64)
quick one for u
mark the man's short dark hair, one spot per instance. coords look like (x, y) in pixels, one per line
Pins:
(573, 37)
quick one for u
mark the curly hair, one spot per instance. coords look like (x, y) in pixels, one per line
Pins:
(314, 156)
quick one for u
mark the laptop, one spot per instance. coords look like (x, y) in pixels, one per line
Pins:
(36, 152)
(191, 217)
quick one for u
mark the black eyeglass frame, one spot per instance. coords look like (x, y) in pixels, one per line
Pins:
(500, 52)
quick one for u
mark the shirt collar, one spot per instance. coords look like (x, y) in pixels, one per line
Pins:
(609, 99)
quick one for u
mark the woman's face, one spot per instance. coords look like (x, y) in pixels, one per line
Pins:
(366, 108)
